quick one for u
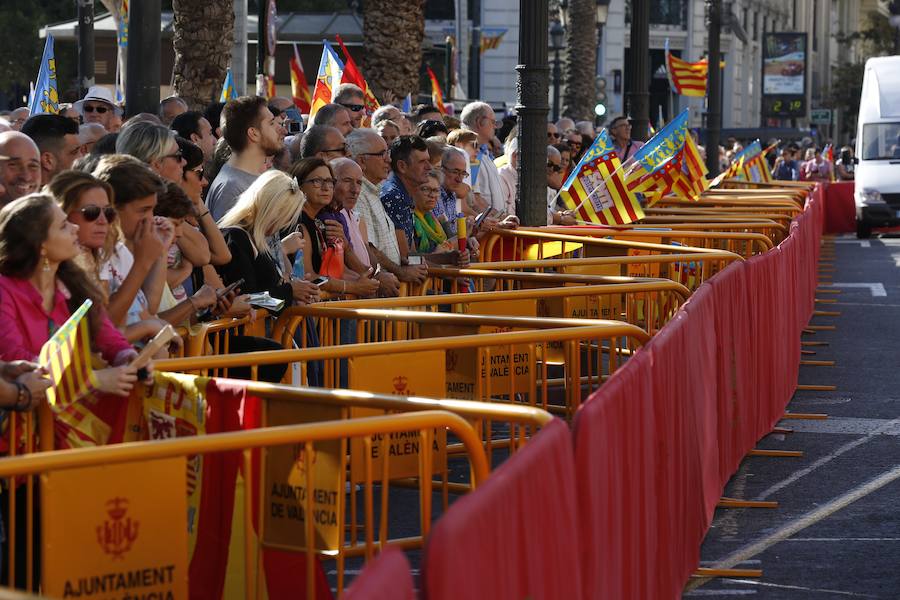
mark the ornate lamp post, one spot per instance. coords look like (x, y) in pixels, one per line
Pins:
(557, 44)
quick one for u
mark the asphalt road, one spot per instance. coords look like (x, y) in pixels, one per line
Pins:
(836, 532)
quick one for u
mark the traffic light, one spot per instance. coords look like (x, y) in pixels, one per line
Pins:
(601, 108)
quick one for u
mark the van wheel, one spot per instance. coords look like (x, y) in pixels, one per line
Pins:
(863, 231)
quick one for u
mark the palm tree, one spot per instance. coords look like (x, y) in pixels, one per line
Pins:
(392, 37)
(203, 34)
(581, 60)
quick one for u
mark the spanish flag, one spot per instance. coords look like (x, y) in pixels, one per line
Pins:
(596, 187)
(299, 87)
(331, 70)
(437, 96)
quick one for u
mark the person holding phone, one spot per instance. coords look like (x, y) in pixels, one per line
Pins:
(251, 228)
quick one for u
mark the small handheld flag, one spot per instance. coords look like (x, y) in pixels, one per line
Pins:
(67, 358)
(228, 91)
(45, 98)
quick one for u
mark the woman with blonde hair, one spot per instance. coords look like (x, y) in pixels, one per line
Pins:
(251, 228)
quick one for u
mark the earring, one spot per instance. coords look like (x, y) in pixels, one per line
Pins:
(46, 264)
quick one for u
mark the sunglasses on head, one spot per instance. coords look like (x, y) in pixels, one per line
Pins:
(92, 212)
(354, 107)
(97, 109)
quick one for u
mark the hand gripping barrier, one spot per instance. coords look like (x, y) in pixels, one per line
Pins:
(165, 542)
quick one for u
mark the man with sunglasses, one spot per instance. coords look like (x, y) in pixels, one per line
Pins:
(58, 141)
(97, 106)
(353, 99)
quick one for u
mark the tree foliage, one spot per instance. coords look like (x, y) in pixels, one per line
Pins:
(20, 46)
(876, 38)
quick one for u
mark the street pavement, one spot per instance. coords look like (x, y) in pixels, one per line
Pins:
(836, 532)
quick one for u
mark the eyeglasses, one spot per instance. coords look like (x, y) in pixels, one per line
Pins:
(575, 143)
(550, 134)
(198, 171)
(342, 151)
(431, 191)
(554, 167)
(321, 182)
(354, 107)
(383, 154)
(92, 212)
(459, 173)
(176, 155)
(98, 109)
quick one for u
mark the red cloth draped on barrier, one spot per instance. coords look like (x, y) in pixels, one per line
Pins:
(516, 536)
(386, 577)
(840, 209)
(230, 408)
(655, 446)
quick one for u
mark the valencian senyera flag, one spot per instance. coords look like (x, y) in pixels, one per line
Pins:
(67, 358)
(45, 98)
(331, 71)
(596, 188)
(228, 91)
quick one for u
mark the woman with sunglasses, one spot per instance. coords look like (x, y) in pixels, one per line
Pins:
(154, 145)
(40, 287)
(86, 201)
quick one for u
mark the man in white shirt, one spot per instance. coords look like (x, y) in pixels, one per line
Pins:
(478, 117)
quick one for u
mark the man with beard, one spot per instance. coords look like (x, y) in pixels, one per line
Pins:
(253, 135)
(20, 166)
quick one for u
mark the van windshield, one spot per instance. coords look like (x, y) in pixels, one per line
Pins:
(881, 141)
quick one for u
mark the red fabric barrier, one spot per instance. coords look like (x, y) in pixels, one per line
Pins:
(840, 210)
(655, 446)
(517, 535)
(386, 577)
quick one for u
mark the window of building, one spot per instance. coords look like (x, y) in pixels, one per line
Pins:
(663, 12)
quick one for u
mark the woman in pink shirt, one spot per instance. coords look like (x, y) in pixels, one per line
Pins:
(40, 287)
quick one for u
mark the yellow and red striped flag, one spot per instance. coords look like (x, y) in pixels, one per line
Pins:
(299, 87)
(596, 188)
(437, 96)
(687, 78)
(67, 358)
(695, 167)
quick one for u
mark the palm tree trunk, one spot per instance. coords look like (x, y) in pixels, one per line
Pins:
(203, 35)
(392, 36)
(581, 61)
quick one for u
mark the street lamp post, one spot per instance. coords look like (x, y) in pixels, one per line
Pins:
(532, 109)
(557, 43)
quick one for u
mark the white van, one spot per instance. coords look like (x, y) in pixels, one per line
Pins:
(877, 189)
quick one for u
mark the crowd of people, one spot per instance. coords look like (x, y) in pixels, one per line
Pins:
(186, 215)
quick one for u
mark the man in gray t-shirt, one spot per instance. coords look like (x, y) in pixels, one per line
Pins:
(225, 189)
(253, 135)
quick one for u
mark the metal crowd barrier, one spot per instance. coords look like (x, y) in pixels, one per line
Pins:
(299, 457)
